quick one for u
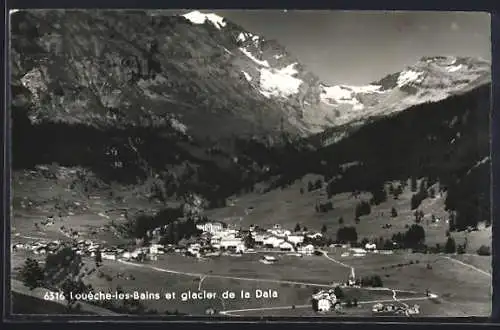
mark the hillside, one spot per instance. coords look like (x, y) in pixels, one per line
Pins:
(431, 79)
(445, 142)
(174, 72)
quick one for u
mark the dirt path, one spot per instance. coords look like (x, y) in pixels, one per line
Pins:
(335, 261)
(394, 293)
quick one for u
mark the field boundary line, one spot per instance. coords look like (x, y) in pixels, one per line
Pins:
(468, 265)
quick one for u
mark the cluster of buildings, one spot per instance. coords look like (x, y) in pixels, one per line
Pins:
(90, 249)
(216, 238)
(392, 310)
(324, 301)
(361, 252)
(224, 238)
(40, 247)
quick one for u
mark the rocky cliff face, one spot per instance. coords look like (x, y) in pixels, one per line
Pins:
(123, 68)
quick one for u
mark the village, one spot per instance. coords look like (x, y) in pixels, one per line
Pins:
(216, 238)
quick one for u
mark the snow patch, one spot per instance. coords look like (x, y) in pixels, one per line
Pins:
(365, 89)
(253, 58)
(454, 68)
(278, 56)
(481, 162)
(337, 93)
(197, 17)
(345, 95)
(279, 82)
(247, 76)
(406, 77)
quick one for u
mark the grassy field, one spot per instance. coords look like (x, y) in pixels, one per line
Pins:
(288, 207)
(310, 269)
(245, 273)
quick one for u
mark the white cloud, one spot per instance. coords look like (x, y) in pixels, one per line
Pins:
(454, 26)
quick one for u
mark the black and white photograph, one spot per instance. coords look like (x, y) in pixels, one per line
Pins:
(250, 163)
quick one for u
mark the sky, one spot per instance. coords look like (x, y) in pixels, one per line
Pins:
(359, 47)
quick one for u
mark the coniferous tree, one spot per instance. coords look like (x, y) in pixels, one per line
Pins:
(324, 229)
(415, 236)
(413, 184)
(339, 293)
(450, 246)
(32, 274)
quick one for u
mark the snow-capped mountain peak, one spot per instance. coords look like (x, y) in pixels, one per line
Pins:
(431, 79)
(279, 82)
(197, 17)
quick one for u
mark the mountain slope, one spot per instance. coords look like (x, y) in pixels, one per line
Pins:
(445, 142)
(111, 68)
(429, 80)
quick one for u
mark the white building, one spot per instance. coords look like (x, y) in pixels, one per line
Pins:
(295, 239)
(307, 250)
(315, 235)
(236, 244)
(282, 233)
(210, 227)
(268, 260)
(324, 305)
(108, 256)
(370, 246)
(286, 246)
(358, 250)
(260, 238)
(156, 249)
(324, 301)
(194, 249)
(273, 242)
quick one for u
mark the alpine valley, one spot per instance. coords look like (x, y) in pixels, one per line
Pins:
(159, 117)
